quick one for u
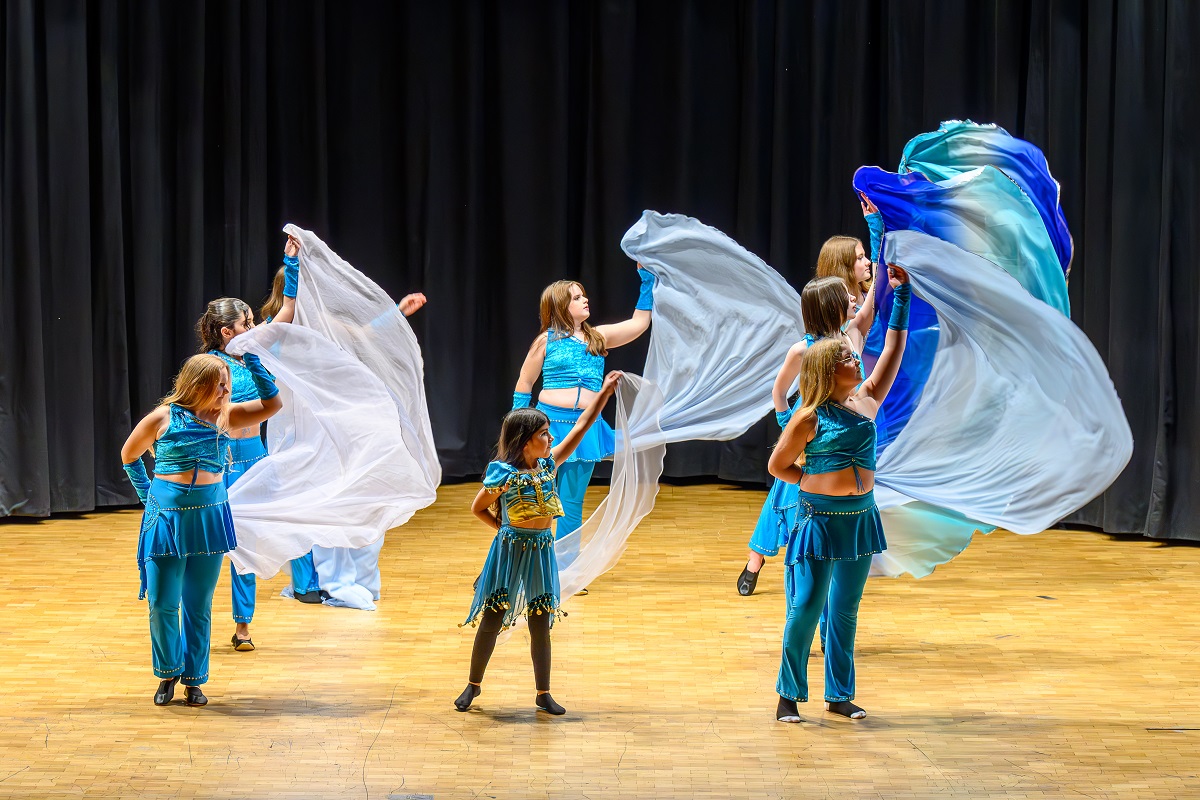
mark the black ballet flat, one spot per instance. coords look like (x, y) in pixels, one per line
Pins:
(787, 711)
(166, 691)
(311, 598)
(194, 697)
(241, 645)
(463, 703)
(546, 703)
(747, 581)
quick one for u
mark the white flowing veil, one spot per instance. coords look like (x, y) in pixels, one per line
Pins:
(351, 453)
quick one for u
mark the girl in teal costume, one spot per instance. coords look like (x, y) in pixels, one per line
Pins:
(838, 527)
(823, 304)
(187, 526)
(520, 576)
(569, 355)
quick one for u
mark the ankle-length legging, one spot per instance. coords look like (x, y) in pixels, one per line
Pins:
(571, 483)
(815, 581)
(539, 646)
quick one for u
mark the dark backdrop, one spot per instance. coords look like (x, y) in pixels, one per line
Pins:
(478, 150)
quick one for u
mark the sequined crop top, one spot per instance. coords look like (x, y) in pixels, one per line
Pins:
(523, 495)
(243, 389)
(844, 439)
(190, 443)
(568, 364)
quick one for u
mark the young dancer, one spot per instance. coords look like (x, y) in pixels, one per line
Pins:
(187, 526)
(838, 527)
(569, 354)
(520, 576)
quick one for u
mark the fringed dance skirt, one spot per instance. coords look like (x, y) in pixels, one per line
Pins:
(520, 576)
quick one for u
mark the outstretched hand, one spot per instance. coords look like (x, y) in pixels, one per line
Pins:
(610, 382)
(896, 275)
(292, 248)
(409, 304)
(867, 206)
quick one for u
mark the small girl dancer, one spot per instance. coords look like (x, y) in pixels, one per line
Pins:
(519, 501)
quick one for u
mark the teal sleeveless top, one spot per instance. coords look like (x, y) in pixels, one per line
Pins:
(844, 439)
(189, 444)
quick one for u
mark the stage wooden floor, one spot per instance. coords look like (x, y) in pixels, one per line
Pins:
(1060, 665)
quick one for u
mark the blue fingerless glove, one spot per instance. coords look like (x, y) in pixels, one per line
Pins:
(784, 417)
(263, 381)
(875, 224)
(136, 470)
(291, 275)
(521, 400)
(900, 301)
(646, 295)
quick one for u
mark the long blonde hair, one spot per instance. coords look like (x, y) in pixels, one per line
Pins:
(836, 260)
(817, 374)
(274, 301)
(555, 308)
(195, 385)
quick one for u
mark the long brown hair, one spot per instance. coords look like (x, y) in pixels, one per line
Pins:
(195, 385)
(555, 310)
(224, 312)
(823, 305)
(274, 301)
(518, 427)
(837, 258)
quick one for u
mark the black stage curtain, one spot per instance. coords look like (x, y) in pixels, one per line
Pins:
(478, 150)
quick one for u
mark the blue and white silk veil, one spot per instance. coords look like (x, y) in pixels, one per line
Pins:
(958, 146)
(351, 452)
(723, 321)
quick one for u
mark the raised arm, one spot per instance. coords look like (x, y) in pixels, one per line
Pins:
(291, 280)
(797, 434)
(865, 318)
(562, 451)
(887, 367)
(530, 370)
(619, 333)
(410, 303)
(786, 377)
(243, 415)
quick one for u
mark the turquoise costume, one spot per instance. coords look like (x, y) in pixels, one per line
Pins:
(569, 365)
(185, 532)
(828, 556)
(520, 575)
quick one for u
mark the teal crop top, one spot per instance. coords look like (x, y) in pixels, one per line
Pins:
(569, 365)
(844, 439)
(523, 495)
(189, 444)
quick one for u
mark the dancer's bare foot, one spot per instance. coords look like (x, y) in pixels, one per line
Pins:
(846, 709)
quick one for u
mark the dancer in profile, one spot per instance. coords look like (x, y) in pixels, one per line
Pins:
(838, 527)
(187, 526)
(569, 355)
(520, 576)
(842, 266)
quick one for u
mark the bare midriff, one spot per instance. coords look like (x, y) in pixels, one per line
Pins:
(535, 524)
(245, 433)
(203, 477)
(838, 484)
(567, 398)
